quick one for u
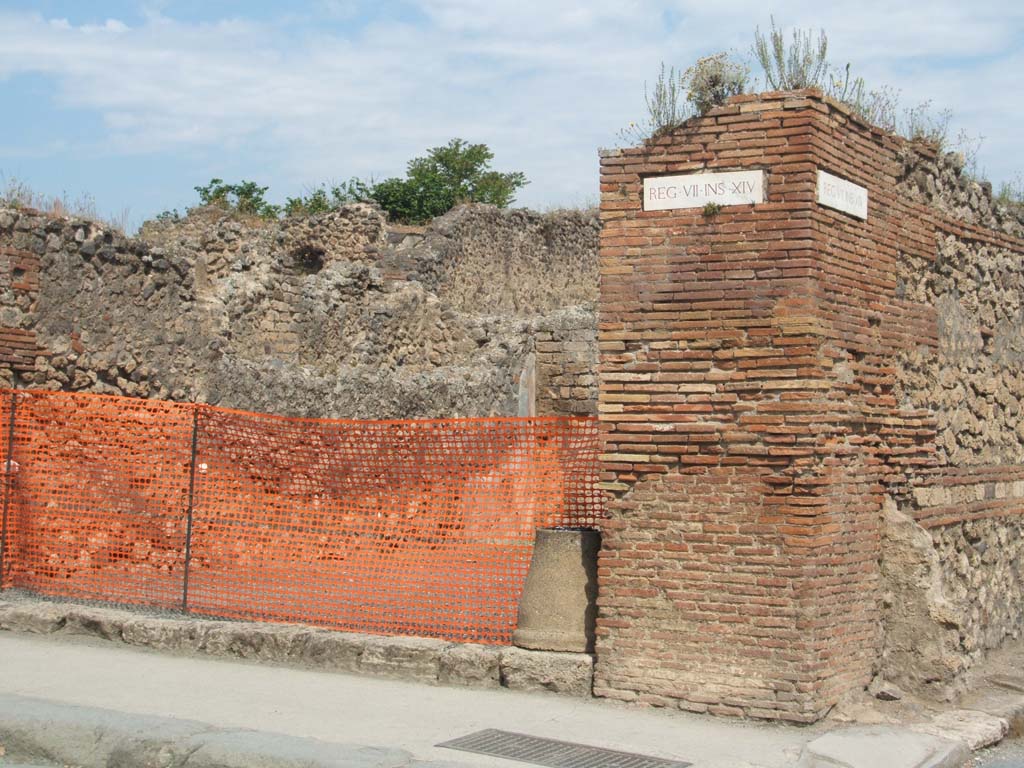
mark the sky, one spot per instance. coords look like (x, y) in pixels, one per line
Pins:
(136, 102)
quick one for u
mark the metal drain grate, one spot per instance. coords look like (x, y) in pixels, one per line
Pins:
(552, 753)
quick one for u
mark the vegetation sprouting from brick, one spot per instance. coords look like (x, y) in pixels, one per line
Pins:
(791, 64)
(676, 98)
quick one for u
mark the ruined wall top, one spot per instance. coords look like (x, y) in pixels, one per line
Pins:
(330, 315)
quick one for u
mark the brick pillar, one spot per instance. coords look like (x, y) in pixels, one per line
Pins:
(740, 360)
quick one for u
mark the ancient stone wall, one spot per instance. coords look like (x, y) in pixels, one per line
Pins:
(516, 263)
(814, 452)
(19, 291)
(772, 377)
(950, 594)
(965, 502)
(329, 316)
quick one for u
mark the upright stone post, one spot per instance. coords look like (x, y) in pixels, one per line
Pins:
(741, 359)
(558, 605)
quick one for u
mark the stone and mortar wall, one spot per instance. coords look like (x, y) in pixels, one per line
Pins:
(952, 565)
(812, 423)
(515, 263)
(327, 316)
(766, 377)
(19, 289)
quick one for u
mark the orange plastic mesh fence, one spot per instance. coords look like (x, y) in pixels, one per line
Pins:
(97, 497)
(420, 527)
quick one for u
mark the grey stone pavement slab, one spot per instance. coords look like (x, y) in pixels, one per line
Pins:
(1009, 754)
(88, 737)
(236, 712)
(347, 709)
(877, 746)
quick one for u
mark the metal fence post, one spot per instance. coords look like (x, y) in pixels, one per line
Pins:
(8, 481)
(191, 497)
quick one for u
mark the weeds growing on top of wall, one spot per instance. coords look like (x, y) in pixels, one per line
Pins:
(790, 63)
(16, 193)
(674, 99)
(1011, 193)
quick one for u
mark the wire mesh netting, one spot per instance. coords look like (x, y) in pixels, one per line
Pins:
(420, 527)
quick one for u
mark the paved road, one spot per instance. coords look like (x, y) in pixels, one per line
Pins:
(371, 711)
(1009, 754)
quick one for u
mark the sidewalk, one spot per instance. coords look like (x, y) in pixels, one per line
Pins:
(353, 710)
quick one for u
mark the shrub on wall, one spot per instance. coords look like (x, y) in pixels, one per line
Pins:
(246, 197)
(323, 199)
(674, 99)
(665, 109)
(792, 66)
(712, 80)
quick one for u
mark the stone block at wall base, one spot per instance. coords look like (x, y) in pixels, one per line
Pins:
(568, 673)
(425, 660)
(415, 658)
(876, 745)
(478, 666)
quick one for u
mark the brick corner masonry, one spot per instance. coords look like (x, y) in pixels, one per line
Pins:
(766, 376)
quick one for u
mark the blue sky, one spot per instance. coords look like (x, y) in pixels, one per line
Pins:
(135, 103)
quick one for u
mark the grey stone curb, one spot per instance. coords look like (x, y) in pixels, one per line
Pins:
(35, 731)
(875, 746)
(410, 658)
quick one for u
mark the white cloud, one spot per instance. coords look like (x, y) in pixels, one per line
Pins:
(543, 83)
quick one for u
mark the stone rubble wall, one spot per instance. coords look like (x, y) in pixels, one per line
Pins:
(941, 181)
(517, 263)
(951, 594)
(325, 316)
(953, 563)
(973, 380)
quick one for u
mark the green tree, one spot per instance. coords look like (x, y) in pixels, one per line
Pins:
(458, 172)
(245, 197)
